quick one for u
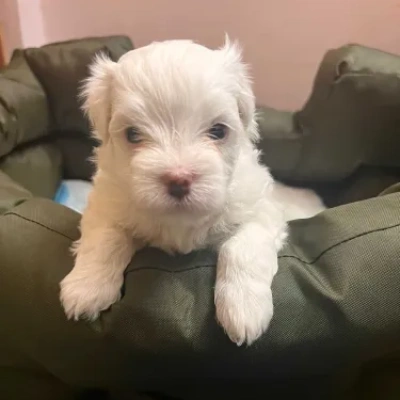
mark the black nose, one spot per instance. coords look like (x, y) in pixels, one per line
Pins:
(179, 188)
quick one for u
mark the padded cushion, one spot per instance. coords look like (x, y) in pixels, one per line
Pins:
(337, 308)
(23, 105)
(61, 68)
(351, 119)
(11, 193)
(76, 153)
(37, 168)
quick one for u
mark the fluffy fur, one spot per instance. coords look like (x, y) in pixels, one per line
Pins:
(172, 93)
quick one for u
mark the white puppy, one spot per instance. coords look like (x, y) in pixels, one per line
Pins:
(178, 170)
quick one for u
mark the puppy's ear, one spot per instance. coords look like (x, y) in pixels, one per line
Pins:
(232, 54)
(96, 95)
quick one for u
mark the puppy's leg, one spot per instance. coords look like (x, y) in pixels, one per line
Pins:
(102, 255)
(246, 266)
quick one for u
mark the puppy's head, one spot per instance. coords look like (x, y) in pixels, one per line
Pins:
(172, 118)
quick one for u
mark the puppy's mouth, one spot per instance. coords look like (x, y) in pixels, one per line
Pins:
(186, 205)
(197, 200)
(191, 204)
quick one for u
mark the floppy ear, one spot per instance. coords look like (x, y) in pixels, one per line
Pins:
(232, 54)
(96, 94)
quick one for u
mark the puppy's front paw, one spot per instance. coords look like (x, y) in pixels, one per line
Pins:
(84, 294)
(244, 309)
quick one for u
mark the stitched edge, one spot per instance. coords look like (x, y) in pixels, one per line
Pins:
(338, 244)
(168, 270)
(39, 224)
(208, 265)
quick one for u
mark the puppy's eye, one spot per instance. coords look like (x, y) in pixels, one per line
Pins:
(133, 135)
(217, 132)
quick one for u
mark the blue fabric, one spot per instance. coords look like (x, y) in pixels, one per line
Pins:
(62, 194)
(73, 194)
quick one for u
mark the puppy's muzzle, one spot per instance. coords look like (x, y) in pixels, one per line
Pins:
(178, 185)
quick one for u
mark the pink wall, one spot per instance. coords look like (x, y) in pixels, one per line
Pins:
(284, 40)
(31, 23)
(10, 25)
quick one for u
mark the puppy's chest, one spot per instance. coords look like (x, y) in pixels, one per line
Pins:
(181, 239)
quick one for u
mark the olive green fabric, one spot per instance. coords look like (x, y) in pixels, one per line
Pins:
(37, 168)
(61, 68)
(23, 105)
(392, 189)
(351, 119)
(364, 183)
(76, 154)
(20, 384)
(19, 70)
(337, 307)
(11, 193)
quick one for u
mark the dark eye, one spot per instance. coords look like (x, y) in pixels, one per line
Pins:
(217, 132)
(133, 135)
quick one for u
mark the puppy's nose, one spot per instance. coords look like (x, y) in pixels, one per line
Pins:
(178, 186)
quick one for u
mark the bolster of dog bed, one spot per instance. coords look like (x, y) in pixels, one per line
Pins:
(336, 296)
(350, 120)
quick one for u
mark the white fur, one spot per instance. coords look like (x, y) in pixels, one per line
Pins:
(298, 203)
(173, 92)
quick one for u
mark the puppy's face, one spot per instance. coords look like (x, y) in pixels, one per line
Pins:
(172, 118)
